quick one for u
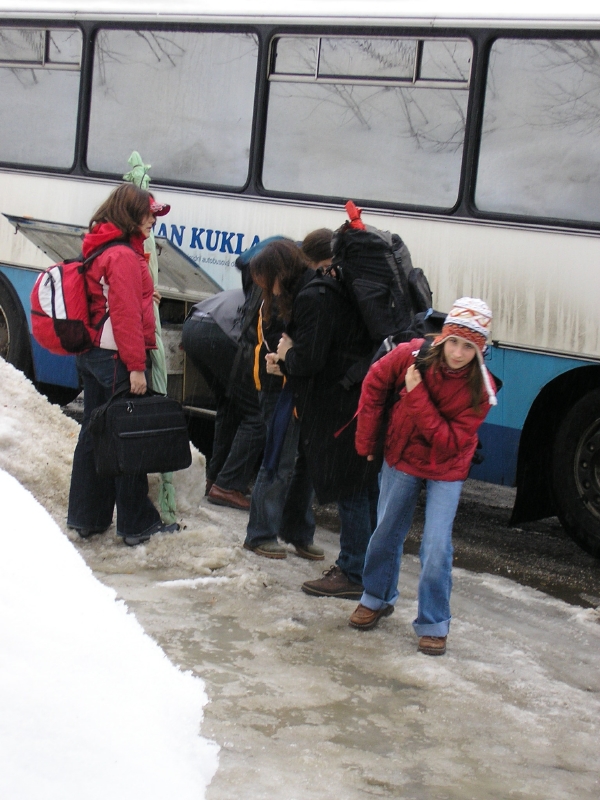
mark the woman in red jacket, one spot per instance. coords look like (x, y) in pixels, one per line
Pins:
(431, 437)
(121, 298)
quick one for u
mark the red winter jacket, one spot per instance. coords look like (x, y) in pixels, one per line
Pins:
(119, 282)
(432, 430)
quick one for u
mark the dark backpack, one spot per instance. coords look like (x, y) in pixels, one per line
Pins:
(376, 268)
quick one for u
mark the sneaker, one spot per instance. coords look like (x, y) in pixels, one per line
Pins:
(310, 551)
(365, 618)
(131, 539)
(228, 497)
(334, 584)
(432, 645)
(268, 550)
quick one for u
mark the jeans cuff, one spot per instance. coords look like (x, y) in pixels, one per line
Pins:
(433, 628)
(373, 603)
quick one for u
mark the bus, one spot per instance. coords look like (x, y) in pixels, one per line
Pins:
(471, 133)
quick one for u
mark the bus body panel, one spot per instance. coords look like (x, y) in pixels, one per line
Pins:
(522, 272)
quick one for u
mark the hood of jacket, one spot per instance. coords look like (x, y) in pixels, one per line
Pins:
(106, 232)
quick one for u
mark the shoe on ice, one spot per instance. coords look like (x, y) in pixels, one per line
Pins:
(132, 539)
(269, 549)
(310, 551)
(365, 618)
(334, 584)
(227, 497)
(432, 645)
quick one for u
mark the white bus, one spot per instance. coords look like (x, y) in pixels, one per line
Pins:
(475, 136)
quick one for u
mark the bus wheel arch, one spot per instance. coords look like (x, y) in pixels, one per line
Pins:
(537, 495)
(576, 472)
(15, 343)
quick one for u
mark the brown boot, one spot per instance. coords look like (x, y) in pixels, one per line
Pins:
(228, 497)
(365, 618)
(334, 584)
(432, 645)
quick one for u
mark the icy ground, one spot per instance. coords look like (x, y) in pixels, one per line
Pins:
(303, 706)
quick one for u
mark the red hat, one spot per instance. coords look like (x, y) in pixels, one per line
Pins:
(159, 209)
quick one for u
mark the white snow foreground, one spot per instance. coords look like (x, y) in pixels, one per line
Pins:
(91, 706)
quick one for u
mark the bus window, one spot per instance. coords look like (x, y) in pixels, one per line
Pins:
(183, 99)
(39, 87)
(540, 153)
(376, 119)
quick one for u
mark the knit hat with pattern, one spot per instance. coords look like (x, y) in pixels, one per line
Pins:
(470, 319)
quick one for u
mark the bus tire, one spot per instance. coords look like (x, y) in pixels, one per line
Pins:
(576, 472)
(14, 333)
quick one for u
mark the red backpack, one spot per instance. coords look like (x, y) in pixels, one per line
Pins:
(60, 314)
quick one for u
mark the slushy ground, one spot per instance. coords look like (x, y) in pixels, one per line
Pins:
(305, 707)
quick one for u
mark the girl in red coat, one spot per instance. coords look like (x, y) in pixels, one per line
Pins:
(121, 299)
(430, 439)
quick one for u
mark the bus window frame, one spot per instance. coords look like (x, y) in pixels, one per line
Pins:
(464, 209)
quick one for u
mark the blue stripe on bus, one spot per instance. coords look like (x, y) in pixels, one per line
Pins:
(523, 375)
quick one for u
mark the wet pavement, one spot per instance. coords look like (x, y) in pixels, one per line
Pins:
(538, 554)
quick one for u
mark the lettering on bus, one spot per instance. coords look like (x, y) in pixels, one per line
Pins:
(209, 239)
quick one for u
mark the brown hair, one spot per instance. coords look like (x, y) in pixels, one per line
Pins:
(434, 358)
(281, 261)
(126, 207)
(317, 245)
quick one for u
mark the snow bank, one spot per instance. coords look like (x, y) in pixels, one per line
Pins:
(91, 706)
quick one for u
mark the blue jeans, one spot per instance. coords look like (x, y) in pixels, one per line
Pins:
(282, 506)
(357, 523)
(397, 501)
(92, 498)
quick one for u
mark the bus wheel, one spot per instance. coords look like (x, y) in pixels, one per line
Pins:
(14, 333)
(576, 472)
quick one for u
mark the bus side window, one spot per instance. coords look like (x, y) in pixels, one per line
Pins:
(184, 99)
(539, 142)
(39, 87)
(378, 118)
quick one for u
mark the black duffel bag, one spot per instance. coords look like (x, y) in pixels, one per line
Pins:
(137, 434)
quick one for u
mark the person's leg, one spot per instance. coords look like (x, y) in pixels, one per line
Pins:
(435, 581)
(298, 521)
(249, 439)
(356, 530)
(268, 495)
(398, 497)
(240, 430)
(92, 497)
(210, 353)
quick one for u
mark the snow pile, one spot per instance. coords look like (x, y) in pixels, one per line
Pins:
(36, 440)
(36, 446)
(91, 706)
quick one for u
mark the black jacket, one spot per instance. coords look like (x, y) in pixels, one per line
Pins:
(329, 337)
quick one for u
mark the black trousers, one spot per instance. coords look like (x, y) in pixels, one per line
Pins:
(240, 430)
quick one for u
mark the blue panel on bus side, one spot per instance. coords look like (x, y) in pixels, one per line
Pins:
(57, 370)
(22, 281)
(499, 447)
(48, 368)
(523, 375)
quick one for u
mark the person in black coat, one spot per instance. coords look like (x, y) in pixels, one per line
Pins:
(324, 337)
